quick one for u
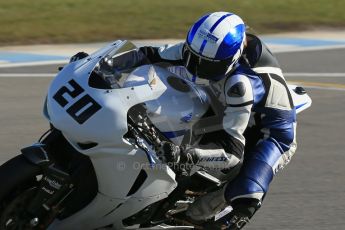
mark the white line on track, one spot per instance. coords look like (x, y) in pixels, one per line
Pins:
(36, 63)
(303, 49)
(9, 75)
(319, 85)
(323, 88)
(333, 75)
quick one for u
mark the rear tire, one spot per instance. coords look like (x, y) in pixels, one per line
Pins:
(20, 183)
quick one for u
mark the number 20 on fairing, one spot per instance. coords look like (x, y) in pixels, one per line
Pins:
(82, 109)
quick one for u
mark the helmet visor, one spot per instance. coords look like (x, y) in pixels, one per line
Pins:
(204, 67)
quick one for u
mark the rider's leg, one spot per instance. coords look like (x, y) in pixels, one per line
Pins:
(247, 191)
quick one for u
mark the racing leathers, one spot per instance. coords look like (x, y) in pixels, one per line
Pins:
(258, 118)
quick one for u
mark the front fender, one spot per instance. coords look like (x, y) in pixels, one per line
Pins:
(36, 154)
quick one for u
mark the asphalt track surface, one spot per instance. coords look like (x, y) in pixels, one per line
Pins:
(307, 194)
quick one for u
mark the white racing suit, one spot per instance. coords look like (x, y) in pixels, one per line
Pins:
(258, 119)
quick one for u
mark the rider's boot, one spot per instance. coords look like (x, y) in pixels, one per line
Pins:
(243, 210)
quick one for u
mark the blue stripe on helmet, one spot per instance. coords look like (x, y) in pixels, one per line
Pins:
(211, 30)
(219, 21)
(195, 28)
(231, 43)
(202, 47)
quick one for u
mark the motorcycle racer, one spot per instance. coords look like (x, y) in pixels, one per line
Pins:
(259, 117)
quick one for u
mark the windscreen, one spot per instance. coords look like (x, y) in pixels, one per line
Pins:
(112, 70)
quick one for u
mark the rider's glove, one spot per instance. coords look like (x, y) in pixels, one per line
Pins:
(169, 152)
(176, 154)
(188, 155)
(78, 56)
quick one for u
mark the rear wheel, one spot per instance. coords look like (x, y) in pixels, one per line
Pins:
(20, 185)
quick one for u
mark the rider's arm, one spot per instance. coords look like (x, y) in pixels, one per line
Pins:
(239, 99)
(169, 53)
(221, 152)
(226, 150)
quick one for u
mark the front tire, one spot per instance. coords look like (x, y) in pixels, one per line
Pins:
(20, 183)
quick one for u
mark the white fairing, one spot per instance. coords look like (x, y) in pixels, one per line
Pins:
(173, 106)
(301, 101)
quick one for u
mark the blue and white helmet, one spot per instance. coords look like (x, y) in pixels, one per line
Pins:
(214, 44)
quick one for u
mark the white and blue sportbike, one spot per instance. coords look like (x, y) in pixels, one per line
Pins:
(99, 166)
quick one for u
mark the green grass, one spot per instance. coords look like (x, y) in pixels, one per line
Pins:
(61, 21)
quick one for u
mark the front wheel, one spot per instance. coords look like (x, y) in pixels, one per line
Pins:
(20, 182)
